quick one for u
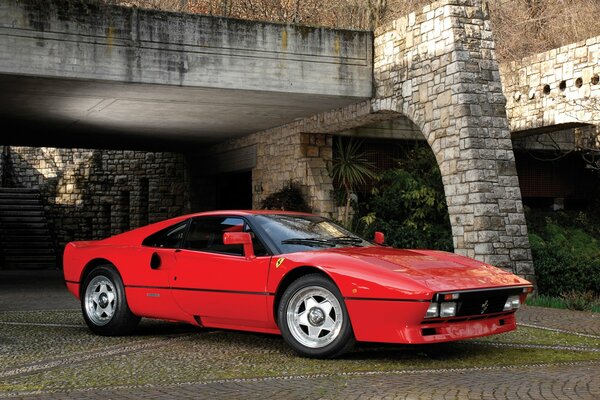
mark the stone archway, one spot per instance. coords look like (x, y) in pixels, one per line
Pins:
(438, 68)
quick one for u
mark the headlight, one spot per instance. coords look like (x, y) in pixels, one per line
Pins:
(447, 309)
(512, 303)
(432, 311)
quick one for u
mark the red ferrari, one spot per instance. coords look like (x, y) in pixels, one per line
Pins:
(299, 275)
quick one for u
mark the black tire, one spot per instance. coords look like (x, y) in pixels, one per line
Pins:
(297, 335)
(108, 314)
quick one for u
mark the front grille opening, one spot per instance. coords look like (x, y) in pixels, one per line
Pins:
(501, 322)
(428, 331)
(481, 302)
(466, 319)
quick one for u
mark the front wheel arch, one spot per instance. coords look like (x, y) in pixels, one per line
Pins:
(294, 307)
(289, 278)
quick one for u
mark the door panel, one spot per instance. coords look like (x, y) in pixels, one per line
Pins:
(217, 282)
(221, 288)
(147, 288)
(147, 285)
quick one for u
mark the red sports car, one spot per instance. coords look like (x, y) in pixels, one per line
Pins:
(300, 275)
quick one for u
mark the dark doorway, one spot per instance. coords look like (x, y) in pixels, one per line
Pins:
(234, 191)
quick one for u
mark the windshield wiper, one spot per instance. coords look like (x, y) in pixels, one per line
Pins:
(346, 239)
(307, 241)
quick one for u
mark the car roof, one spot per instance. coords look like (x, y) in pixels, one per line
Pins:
(244, 213)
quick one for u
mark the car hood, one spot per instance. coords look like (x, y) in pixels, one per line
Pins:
(437, 270)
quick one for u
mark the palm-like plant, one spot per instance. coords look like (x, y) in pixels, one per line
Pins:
(350, 168)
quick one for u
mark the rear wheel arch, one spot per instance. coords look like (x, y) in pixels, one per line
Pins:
(104, 301)
(89, 267)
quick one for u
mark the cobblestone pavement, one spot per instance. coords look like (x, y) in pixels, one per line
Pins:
(563, 320)
(580, 381)
(62, 347)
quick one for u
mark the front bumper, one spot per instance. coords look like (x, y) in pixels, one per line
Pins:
(392, 321)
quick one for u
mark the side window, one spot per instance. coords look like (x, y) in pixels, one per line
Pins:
(169, 238)
(206, 234)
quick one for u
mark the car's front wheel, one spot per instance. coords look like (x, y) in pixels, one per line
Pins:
(313, 318)
(104, 305)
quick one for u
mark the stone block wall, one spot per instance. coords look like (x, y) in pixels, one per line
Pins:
(560, 86)
(92, 194)
(302, 152)
(287, 154)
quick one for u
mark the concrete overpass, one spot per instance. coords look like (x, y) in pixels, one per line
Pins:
(83, 74)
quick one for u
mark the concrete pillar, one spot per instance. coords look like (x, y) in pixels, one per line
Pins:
(438, 68)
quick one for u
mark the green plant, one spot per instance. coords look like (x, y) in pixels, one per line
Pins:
(350, 168)
(288, 198)
(572, 300)
(582, 301)
(566, 251)
(542, 300)
(409, 205)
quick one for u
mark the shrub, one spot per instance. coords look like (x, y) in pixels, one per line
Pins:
(582, 301)
(409, 205)
(289, 198)
(566, 254)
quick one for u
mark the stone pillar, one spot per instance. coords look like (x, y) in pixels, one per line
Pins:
(317, 156)
(288, 154)
(438, 68)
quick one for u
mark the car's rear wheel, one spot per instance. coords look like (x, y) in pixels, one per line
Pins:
(104, 304)
(313, 318)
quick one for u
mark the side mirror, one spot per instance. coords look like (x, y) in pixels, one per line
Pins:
(379, 238)
(242, 238)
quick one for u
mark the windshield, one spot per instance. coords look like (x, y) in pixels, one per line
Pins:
(292, 233)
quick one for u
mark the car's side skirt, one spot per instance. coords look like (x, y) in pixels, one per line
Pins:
(227, 309)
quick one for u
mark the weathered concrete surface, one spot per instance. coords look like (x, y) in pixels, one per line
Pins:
(218, 77)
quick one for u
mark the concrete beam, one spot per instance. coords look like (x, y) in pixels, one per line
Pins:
(85, 40)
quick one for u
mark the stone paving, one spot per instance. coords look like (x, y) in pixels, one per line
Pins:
(563, 320)
(55, 346)
(581, 381)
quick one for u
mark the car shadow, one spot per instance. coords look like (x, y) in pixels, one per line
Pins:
(262, 342)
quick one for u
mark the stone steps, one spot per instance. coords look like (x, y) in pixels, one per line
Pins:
(26, 242)
(28, 211)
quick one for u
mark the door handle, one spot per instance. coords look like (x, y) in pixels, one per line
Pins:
(155, 261)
